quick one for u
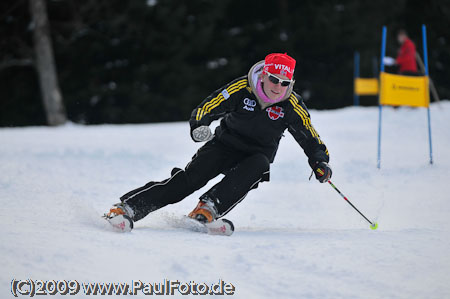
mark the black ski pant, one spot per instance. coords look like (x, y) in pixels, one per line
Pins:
(243, 171)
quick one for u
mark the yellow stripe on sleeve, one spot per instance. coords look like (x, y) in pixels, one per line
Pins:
(218, 97)
(217, 103)
(212, 102)
(304, 116)
(234, 89)
(217, 100)
(302, 112)
(237, 86)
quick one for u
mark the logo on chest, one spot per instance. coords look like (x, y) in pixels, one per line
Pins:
(249, 105)
(275, 112)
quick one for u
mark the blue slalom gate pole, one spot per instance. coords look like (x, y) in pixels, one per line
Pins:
(383, 48)
(355, 75)
(380, 107)
(425, 58)
(425, 52)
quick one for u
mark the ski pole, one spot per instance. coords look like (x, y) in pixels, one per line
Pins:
(373, 225)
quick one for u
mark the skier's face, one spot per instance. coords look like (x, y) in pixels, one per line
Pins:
(401, 37)
(272, 90)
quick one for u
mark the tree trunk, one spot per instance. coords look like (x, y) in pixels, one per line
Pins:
(45, 65)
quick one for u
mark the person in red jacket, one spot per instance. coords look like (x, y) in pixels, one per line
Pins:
(406, 57)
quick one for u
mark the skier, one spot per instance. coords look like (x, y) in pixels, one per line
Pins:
(255, 110)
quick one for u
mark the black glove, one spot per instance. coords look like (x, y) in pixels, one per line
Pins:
(322, 171)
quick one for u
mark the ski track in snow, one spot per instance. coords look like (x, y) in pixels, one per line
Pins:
(294, 238)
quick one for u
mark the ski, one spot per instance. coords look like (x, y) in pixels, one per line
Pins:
(220, 227)
(223, 227)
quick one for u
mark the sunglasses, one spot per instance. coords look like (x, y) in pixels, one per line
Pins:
(275, 80)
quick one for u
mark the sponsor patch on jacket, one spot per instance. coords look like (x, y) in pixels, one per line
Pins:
(249, 104)
(275, 112)
(225, 94)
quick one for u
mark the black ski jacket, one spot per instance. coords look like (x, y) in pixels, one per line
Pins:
(247, 127)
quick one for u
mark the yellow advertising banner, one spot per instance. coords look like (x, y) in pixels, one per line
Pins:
(399, 90)
(366, 86)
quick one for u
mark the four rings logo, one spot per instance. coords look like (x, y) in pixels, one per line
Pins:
(249, 104)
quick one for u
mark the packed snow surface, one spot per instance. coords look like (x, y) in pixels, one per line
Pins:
(294, 238)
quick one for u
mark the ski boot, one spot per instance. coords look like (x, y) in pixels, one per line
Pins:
(120, 209)
(120, 216)
(205, 211)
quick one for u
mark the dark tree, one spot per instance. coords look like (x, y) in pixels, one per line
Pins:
(45, 64)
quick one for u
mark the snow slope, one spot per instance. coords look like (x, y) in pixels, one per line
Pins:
(294, 238)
